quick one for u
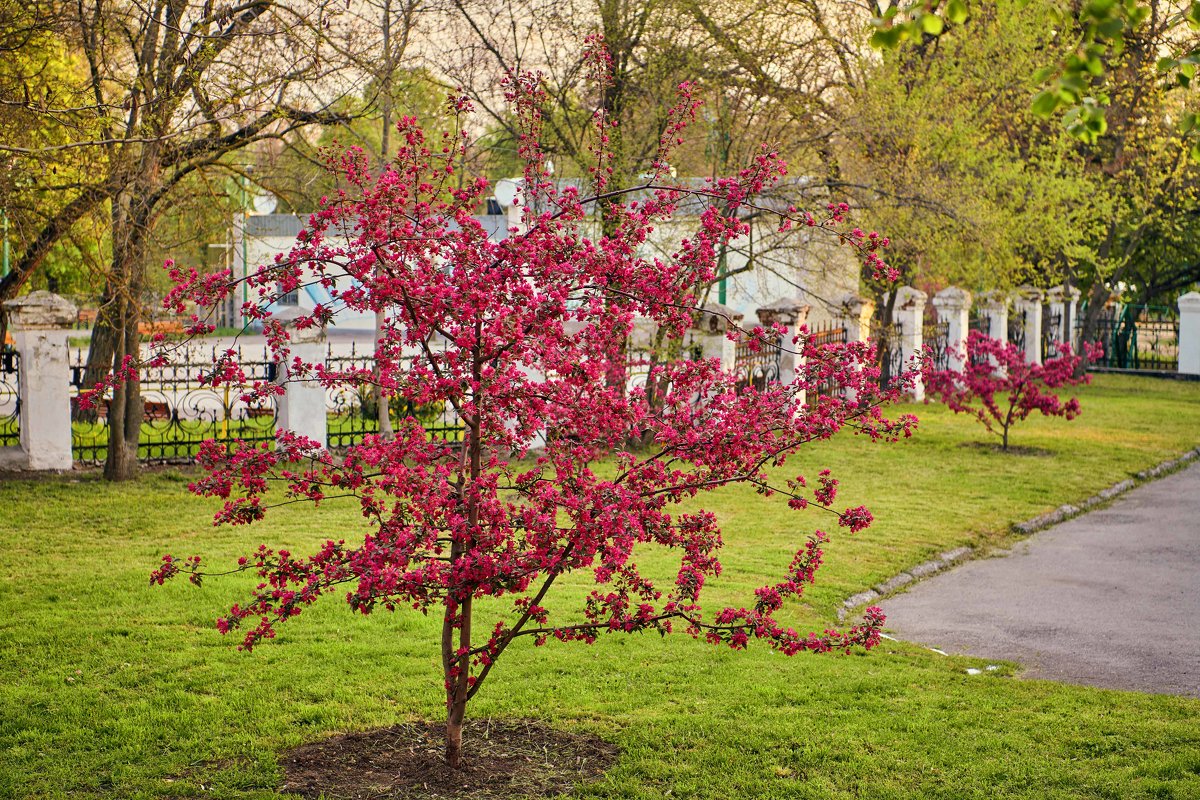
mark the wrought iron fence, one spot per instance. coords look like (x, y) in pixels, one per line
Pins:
(1052, 323)
(1016, 329)
(980, 321)
(889, 353)
(639, 360)
(179, 412)
(935, 339)
(1137, 337)
(820, 336)
(10, 397)
(758, 367)
(353, 409)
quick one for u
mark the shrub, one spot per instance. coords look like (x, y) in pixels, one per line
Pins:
(1000, 388)
(533, 330)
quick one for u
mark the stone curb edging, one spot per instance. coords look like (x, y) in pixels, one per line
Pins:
(949, 558)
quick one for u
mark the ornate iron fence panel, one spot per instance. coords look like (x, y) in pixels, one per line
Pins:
(1139, 337)
(1052, 337)
(889, 354)
(935, 338)
(639, 361)
(819, 337)
(1016, 329)
(758, 368)
(179, 412)
(10, 397)
(353, 411)
(980, 321)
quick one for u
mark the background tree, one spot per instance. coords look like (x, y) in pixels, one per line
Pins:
(1112, 70)
(942, 148)
(161, 92)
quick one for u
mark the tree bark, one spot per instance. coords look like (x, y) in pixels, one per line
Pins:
(382, 404)
(130, 219)
(457, 706)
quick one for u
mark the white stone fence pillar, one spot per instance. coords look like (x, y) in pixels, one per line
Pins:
(1029, 309)
(40, 323)
(302, 406)
(909, 313)
(1189, 334)
(994, 307)
(1062, 302)
(855, 314)
(953, 309)
(707, 335)
(793, 313)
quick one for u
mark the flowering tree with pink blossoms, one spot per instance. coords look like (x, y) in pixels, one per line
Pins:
(1000, 388)
(523, 337)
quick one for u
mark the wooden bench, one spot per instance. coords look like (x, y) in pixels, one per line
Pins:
(160, 326)
(153, 410)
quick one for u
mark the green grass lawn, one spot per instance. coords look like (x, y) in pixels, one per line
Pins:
(109, 688)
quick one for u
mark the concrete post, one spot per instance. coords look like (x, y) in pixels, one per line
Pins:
(909, 312)
(40, 323)
(1029, 306)
(1062, 303)
(792, 312)
(855, 314)
(302, 407)
(1189, 333)
(994, 306)
(954, 308)
(708, 334)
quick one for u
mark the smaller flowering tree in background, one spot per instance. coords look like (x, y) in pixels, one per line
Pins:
(1000, 388)
(523, 337)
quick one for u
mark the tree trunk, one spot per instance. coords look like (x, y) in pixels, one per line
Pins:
(126, 412)
(131, 219)
(456, 709)
(102, 349)
(1097, 300)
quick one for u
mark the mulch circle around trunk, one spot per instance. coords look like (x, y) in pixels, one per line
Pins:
(501, 758)
(1013, 449)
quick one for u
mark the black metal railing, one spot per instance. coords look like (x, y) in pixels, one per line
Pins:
(353, 407)
(889, 351)
(1137, 337)
(831, 333)
(1016, 329)
(179, 412)
(980, 321)
(10, 397)
(935, 340)
(1052, 324)
(758, 367)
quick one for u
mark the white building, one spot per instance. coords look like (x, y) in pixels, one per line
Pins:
(803, 264)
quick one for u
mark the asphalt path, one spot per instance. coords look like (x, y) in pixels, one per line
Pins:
(1110, 598)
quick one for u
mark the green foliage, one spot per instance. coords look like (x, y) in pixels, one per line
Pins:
(298, 176)
(1075, 83)
(970, 185)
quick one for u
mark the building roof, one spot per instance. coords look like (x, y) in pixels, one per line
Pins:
(269, 225)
